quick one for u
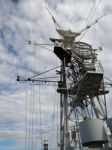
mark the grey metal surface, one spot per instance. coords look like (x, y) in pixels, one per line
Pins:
(92, 132)
(109, 124)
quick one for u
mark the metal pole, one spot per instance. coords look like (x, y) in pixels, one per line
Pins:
(61, 115)
(66, 134)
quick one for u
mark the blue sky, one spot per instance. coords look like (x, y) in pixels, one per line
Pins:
(24, 20)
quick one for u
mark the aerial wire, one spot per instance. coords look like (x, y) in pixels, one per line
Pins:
(86, 21)
(47, 78)
(40, 119)
(32, 123)
(53, 119)
(92, 8)
(108, 79)
(44, 72)
(57, 121)
(54, 20)
(33, 101)
(83, 35)
(26, 119)
(43, 47)
(30, 118)
(88, 14)
(30, 146)
(89, 19)
(89, 26)
(95, 10)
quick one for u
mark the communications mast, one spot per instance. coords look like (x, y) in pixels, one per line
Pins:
(84, 123)
(82, 93)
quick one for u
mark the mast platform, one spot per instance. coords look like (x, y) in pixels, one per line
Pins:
(90, 83)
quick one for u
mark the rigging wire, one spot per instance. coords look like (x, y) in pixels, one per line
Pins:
(53, 119)
(44, 47)
(46, 78)
(108, 79)
(31, 125)
(83, 34)
(30, 118)
(57, 25)
(44, 72)
(95, 10)
(41, 45)
(26, 119)
(92, 8)
(88, 26)
(89, 14)
(29, 112)
(32, 42)
(57, 121)
(89, 19)
(40, 119)
(32, 105)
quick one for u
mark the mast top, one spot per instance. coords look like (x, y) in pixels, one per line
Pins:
(68, 38)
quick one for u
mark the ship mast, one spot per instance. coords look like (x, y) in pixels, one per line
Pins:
(81, 79)
(82, 92)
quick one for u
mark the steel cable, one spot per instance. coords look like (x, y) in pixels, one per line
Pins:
(44, 72)
(95, 10)
(26, 120)
(32, 120)
(29, 127)
(89, 14)
(40, 119)
(53, 123)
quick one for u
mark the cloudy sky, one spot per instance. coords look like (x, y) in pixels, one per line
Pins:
(24, 20)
